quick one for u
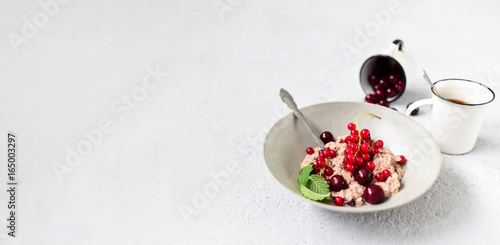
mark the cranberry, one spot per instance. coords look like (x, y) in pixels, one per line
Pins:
(310, 150)
(383, 83)
(380, 93)
(326, 137)
(373, 79)
(365, 133)
(364, 176)
(371, 98)
(328, 171)
(379, 144)
(351, 126)
(414, 112)
(402, 161)
(391, 92)
(338, 183)
(380, 177)
(350, 167)
(399, 86)
(393, 79)
(373, 194)
(339, 201)
(370, 165)
(387, 173)
(383, 102)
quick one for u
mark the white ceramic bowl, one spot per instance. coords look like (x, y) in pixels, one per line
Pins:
(286, 143)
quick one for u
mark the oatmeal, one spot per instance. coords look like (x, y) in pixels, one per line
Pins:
(361, 164)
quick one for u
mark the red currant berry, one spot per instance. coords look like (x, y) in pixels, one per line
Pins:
(333, 153)
(354, 139)
(354, 147)
(316, 169)
(320, 162)
(328, 171)
(347, 139)
(339, 201)
(354, 132)
(365, 147)
(370, 165)
(402, 161)
(349, 159)
(351, 126)
(323, 175)
(326, 153)
(350, 167)
(310, 150)
(373, 151)
(386, 173)
(365, 134)
(359, 161)
(366, 157)
(348, 151)
(366, 141)
(379, 144)
(380, 177)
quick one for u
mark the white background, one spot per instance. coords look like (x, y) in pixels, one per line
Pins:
(226, 61)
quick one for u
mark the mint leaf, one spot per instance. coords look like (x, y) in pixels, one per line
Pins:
(313, 195)
(315, 188)
(304, 174)
(318, 184)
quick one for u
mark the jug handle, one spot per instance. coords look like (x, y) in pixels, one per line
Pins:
(398, 44)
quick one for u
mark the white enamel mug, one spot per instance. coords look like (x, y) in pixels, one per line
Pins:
(457, 115)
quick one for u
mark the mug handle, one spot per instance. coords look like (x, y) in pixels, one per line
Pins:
(417, 104)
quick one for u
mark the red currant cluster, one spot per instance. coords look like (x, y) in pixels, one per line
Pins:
(358, 156)
(320, 166)
(359, 151)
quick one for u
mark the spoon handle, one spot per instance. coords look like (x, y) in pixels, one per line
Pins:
(288, 99)
(428, 80)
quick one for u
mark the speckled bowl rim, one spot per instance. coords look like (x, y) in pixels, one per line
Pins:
(367, 208)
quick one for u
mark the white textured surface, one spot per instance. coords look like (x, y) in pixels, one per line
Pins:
(212, 113)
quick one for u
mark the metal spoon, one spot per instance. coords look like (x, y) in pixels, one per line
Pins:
(428, 80)
(288, 99)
